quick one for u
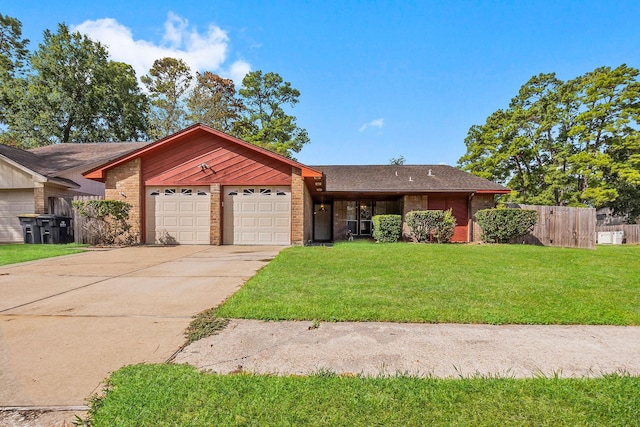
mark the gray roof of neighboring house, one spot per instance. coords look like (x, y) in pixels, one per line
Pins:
(61, 157)
(403, 178)
(52, 160)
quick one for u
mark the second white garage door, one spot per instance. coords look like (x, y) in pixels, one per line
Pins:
(257, 216)
(178, 215)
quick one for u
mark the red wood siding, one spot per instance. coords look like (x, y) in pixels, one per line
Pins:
(460, 210)
(228, 164)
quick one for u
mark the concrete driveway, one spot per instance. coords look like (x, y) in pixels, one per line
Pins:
(66, 323)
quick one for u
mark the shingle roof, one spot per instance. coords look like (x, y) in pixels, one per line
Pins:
(25, 158)
(403, 178)
(52, 160)
(61, 157)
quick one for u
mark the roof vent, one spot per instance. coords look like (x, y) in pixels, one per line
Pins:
(410, 179)
(430, 173)
(396, 173)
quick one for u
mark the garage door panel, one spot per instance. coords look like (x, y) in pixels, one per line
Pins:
(257, 215)
(178, 215)
(282, 207)
(281, 222)
(12, 204)
(249, 222)
(265, 222)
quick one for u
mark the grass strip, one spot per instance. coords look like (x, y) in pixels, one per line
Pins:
(179, 395)
(15, 253)
(492, 284)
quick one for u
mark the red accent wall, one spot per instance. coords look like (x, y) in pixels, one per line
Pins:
(460, 210)
(228, 164)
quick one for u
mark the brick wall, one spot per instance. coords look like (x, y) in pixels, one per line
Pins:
(308, 215)
(215, 235)
(124, 183)
(339, 220)
(479, 202)
(412, 203)
(297, 207)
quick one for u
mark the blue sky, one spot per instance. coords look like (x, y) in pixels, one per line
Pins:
(378, 79)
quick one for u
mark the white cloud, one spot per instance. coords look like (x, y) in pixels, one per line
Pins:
(377, 123)
(201, 51)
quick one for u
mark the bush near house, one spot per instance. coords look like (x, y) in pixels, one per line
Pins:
(107, 221)
(503, 225)
(387, 228)
(434, 226)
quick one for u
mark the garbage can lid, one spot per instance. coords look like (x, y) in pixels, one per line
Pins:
(27, 215)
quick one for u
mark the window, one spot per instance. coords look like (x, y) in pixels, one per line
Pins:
(265, 191)
(248, 191)
(169, 191)
(201, 193)
(155, 193)
(280, 193)
(233, 193)
(186, 191)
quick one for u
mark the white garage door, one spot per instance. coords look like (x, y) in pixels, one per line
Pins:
(257, 216)
(13, 203)
(178, 215)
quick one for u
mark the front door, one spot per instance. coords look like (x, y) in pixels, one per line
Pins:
(322, 222)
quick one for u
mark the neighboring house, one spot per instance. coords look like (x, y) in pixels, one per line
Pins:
(30, 180)
(202, 186)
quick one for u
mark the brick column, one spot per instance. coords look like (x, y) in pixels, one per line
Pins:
(124, 183)
(297, 207)
(215, 236)
(412, 203)
(479, 202)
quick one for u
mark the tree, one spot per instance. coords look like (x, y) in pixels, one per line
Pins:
(264, 121)
(168, 82)
(213, 102)
(13, 57)
(573, 143)
(397, 160)
(75, 94)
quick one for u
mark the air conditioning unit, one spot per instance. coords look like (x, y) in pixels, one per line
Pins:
(604, 237)
(610, 237)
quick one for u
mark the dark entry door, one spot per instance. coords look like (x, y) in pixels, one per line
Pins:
(322, 222)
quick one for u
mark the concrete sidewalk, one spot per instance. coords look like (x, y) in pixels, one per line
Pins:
(66, 323)
(435, 350)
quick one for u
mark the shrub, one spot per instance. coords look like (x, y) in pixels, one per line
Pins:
(107, 221)
(431, 226)
(387, 228)
(503, 225)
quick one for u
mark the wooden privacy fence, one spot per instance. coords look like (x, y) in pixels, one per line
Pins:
(631, 232)
(62, 206)
(562, 226)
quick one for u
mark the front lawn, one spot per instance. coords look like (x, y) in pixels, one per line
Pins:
(178, 395)
(18, 252)
(496, 284)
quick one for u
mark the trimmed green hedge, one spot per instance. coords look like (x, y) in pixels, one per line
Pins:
(387, 228)
(502, 225)
(435, 226)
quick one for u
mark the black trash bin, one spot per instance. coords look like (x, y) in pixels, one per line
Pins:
(30, 228)
(54, 228)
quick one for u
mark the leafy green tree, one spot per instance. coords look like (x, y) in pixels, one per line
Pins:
(264, 121)
(13, 58)
(213, 102)
(397, 160)
(168, 82)
(573, 143)
(75, 94)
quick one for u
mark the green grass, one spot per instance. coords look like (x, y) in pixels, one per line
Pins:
(14, 253)
(178, 395)
(495, 284)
